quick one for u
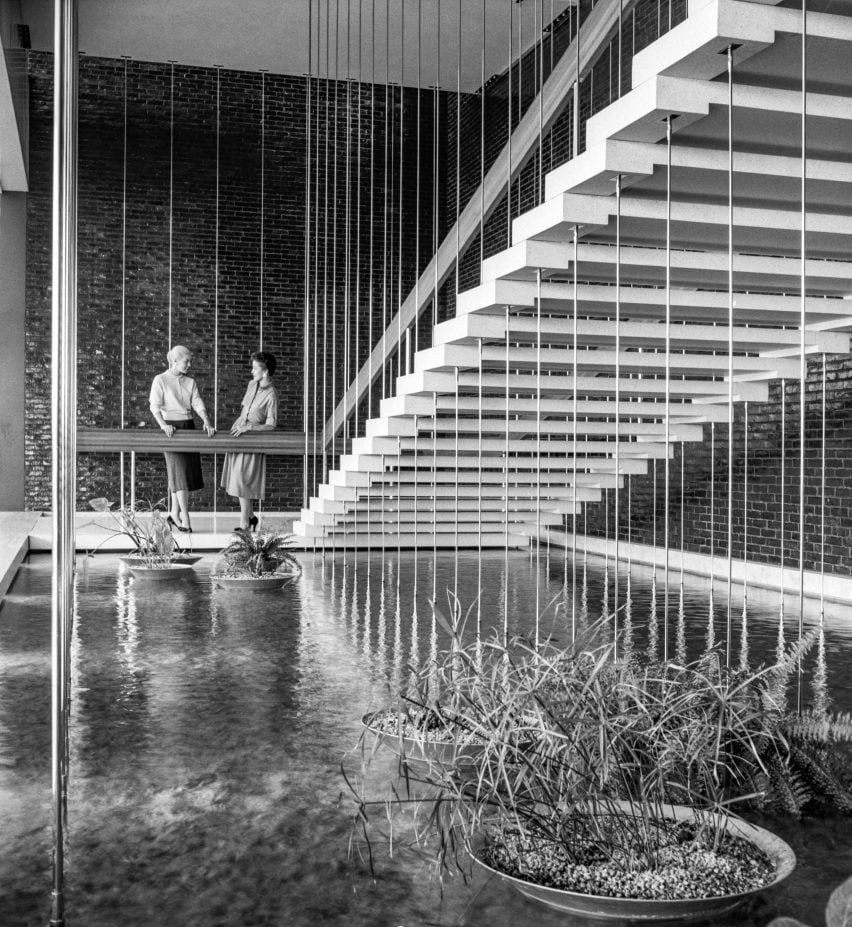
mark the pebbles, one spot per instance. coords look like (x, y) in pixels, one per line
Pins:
(683, 869)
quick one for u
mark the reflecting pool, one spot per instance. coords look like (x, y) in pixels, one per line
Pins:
(208, 730)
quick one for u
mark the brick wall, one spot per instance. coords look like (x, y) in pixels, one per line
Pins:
(765, 510)
(193, 227)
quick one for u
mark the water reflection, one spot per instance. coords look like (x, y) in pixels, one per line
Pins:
(209, 728)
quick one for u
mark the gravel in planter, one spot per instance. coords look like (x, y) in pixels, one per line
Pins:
(421, 724)
(683, 870)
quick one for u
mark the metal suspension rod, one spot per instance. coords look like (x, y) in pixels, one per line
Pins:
(506, 453)
(745, 504)
(399, 348)
(617, 494)
(358, 185)
(481, 146)
(347, 256)
(171, 189)
(822, 500)
(336, 124)
(324, 355)
(574, 372)
(385, 195)
(509, 134)
(216, 291)
(417, 182)
(668, 350)
(371, 307)
(436, 168)
(783, 514)
(314, 365)
(306, 340)
(730, 56)
(123, 387)
(64, 417)
(803, 361)
(538, 457)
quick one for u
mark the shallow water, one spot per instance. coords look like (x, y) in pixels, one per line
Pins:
(208, 730)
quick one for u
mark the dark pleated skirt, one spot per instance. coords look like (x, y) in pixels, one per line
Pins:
(184, 470)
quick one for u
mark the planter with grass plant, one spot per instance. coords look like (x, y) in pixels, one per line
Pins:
(256, 561)
(602, 786)
(156, 555)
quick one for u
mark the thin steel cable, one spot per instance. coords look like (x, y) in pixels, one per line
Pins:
(538, 458)
(216, 293)
(509, 136)
(668, 378)
(745, 504)
(417, 182)
(574, 402)
(479, 497)
(334, 287)
(506, 545)
(436, 164)
(314, 365)
(803, 360)
(456, 498)
(358, 185)
(324, 354)
(482, 146)
(782, 513)
(122, 396)
(385, 224)
(171, 187)
(822, 500)
(400, 210)
(617, 494)
(347, 256)
(307, 212)
(371, 305)
(730, 352)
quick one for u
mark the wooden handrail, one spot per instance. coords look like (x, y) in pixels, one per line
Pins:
(154, 441)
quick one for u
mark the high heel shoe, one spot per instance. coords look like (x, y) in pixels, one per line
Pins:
(173, 524)
(253, 523)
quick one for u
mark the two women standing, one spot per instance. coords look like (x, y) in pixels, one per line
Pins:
(174, 397)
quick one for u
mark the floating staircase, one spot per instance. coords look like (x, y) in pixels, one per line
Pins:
(559, 375)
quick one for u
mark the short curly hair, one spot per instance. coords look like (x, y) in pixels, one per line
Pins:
(267, 359)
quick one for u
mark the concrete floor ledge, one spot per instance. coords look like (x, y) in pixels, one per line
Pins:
(25, 532)
(758, 576)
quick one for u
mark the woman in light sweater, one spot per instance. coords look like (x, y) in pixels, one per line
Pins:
(174, 396)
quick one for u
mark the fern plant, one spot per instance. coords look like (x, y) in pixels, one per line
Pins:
(258, 554)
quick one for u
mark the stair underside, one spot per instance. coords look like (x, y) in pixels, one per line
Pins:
(615, 327)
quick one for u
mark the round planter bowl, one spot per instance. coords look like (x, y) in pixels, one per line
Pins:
(422, 752)
(253, 583)
(158, 574)
(668, 909)
(179, 559)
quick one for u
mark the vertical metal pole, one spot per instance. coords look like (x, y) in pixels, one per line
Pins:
(306, 329)
(171, 192)
(730, 350)
(538, 457)
(617, 492)
(803, 369)
(575, 312)
(667, 472)
(64, 415)
(216, 293)
(123, 279)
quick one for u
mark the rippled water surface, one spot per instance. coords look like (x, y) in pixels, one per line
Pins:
(208, 730)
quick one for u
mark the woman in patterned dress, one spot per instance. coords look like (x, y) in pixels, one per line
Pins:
(244, 474)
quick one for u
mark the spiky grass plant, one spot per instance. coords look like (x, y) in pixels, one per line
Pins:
(577, 751)
(145, 525)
